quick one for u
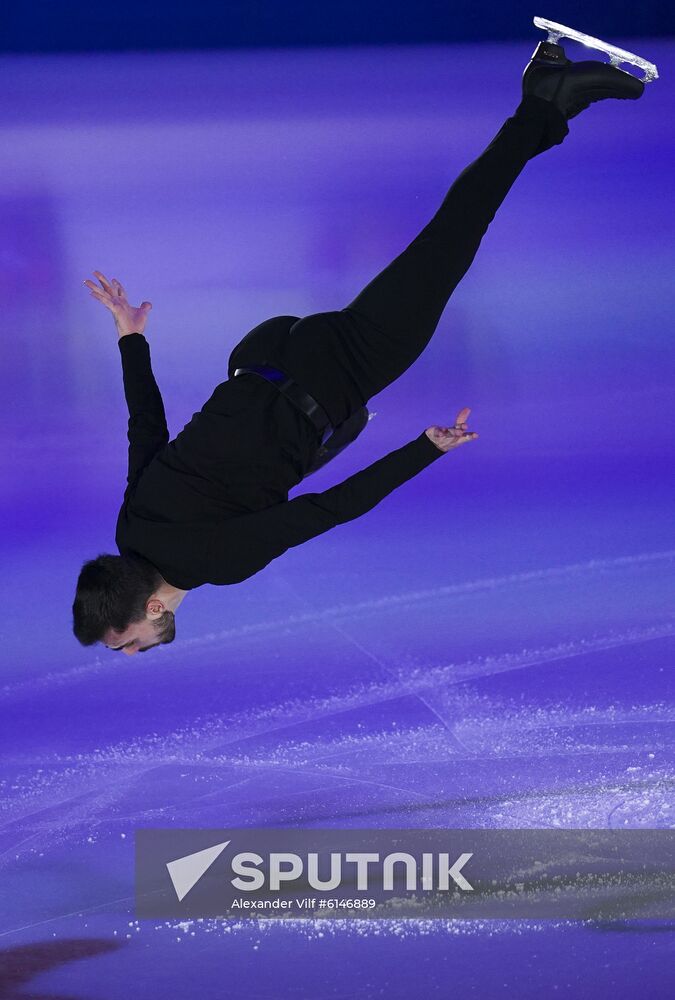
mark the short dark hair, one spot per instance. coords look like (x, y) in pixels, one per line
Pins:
(111, 593)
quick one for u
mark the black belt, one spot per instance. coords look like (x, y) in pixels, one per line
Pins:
(296, 394)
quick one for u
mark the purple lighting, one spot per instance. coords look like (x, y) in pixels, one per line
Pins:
(491, 646)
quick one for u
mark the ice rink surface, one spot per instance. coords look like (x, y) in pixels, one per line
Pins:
(491, 646)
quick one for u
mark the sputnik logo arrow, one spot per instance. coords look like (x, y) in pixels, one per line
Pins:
(186, 872)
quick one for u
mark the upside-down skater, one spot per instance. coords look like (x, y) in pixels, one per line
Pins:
(211, 505)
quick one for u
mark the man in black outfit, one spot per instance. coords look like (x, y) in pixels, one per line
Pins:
(211, 506)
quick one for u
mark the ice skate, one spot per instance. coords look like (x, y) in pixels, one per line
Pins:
(573, 86)
(617, 55)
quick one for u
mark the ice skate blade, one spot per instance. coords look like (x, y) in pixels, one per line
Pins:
(556, 31)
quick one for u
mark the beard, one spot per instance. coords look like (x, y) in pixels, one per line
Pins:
(165, 627)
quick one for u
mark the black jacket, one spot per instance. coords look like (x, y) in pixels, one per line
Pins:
(212, 505)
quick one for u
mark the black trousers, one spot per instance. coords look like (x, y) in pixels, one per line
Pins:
(345, 357)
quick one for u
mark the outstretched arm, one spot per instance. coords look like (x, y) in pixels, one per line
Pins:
(296, 521)
(147, 431)
(230, 551)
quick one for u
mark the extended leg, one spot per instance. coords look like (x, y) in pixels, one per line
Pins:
(394, 317)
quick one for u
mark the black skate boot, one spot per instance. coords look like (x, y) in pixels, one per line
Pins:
(572, 86)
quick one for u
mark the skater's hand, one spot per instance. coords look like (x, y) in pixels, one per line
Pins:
(446, 438)
(128, 319)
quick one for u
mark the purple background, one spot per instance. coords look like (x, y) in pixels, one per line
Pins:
(491, 646)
